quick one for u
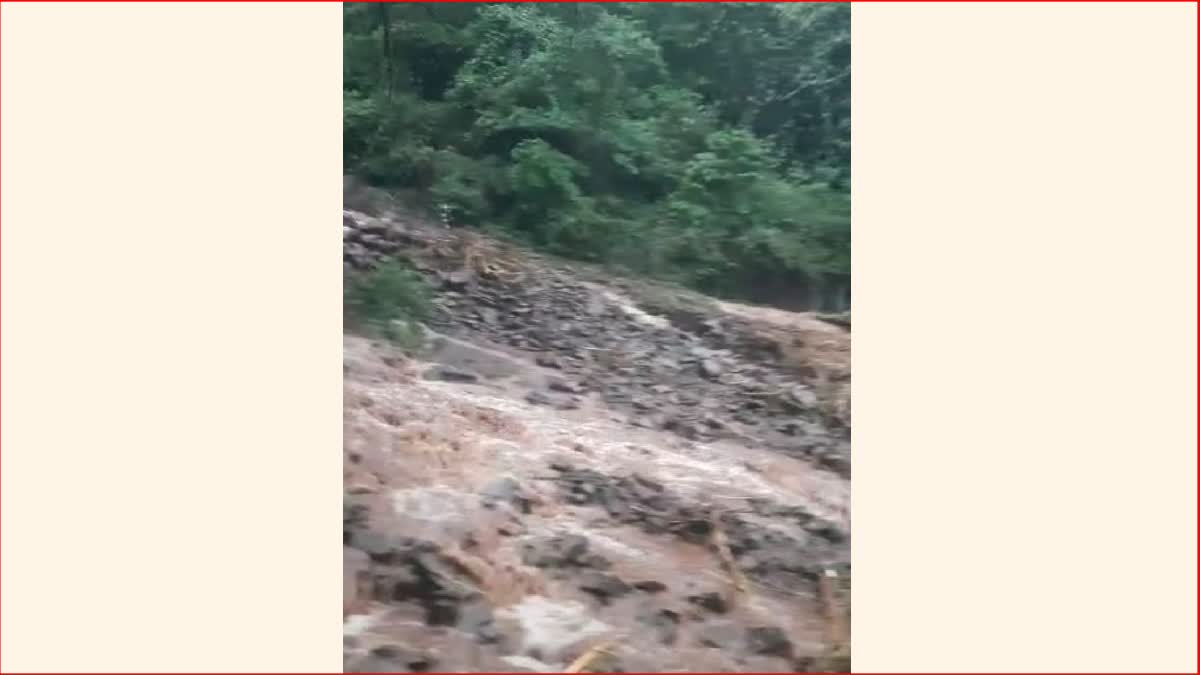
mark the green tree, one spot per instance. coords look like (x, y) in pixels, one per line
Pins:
(707, 143)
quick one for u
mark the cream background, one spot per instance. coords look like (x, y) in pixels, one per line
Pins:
(1024, 393)
(171, 363)
(1024, 251)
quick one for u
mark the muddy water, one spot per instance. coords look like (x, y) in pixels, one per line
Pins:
(423, 454)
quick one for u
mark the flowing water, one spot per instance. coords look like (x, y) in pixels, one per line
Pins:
(420, 453)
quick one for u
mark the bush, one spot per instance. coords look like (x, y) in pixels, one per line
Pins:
(704, 145)
(390, 301)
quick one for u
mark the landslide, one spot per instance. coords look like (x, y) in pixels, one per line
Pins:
(585, 470)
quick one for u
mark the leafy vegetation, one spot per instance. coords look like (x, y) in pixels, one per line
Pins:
(707, 143)
(390, 300)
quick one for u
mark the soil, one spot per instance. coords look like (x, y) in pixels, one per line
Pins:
(584, 466)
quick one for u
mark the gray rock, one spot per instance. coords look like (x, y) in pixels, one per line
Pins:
(396, 659)
(505, 490)
(456, 281)
(477, 620)
(448, 374)
(595, 560)
(560, 551)
(827, 531)
(664, 623)
(722, 635)
(568, 403)
(802, 396)
(561, 385)
(394, 582)
(380, 548)
(768, 641)
(603, 587)
(538, 398)
(711, 368)
(712, 601)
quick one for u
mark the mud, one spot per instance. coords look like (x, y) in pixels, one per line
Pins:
(571, 470)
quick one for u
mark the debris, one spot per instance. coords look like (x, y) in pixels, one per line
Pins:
(627, 528)
(448, 374)
(769, 641)
(721, 543)
(581, 664)
(712, 601)
(837, 632)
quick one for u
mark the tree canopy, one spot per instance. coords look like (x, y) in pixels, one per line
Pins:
(707, 143)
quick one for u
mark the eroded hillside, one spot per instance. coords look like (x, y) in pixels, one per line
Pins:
(589, 472)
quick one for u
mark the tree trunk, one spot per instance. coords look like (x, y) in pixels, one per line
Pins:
(386, 25)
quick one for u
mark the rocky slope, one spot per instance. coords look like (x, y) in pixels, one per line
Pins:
(586, 469)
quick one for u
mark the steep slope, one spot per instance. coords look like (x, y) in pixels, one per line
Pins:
(580, 462)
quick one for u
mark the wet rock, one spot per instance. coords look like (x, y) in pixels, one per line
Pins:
(596, 561)
(650, 586)
(380, 548)
(568, 550)
(722, 635)
(513, 528)
(748, 419)
(828, 532)
(477, 620)
(562, 464)
(396, 659)
(663, 622)
(505, 490)
(836, 663)
(648, 482)
(407, 570)
(682, 426)
(569, 403)
(837, 464)
(711, 368)
(489, 315)
(456, 281)
(637, 501)
(448, 374)
(518, 663)
(802, 396)
(354, 515)
(397, 582)
(442, 611)
(604, 587)
(790, 428)
(809, 664)
(538, 398)
(564, 386)
(643, 404)
(694, 530)
(501, 489)
(712, 601)
(768, 641)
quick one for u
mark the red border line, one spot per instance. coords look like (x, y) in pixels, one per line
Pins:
(849, 1)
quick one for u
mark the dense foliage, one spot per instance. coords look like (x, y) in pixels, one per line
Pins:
(390, 300)
(704, 142)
